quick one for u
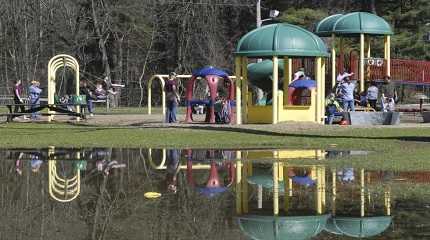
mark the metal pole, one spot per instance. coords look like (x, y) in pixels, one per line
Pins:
(258, 14)
(259, 92)
(260, 196)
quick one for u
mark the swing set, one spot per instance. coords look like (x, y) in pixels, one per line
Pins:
(55, 106)
(55, 64)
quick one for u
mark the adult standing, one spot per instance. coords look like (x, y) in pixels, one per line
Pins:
(372, 94)
(388, 94)
(18, 89)
(340, 79)
(34, 96)
(172, 98)
(89, 96)
(347, 93)
(345, 74)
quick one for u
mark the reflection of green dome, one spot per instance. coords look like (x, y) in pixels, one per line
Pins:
(266, 181)
(282, 228)
(358, 227)
(352, 24)
(281, 39)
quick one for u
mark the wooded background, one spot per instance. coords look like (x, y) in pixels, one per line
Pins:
(126, 41)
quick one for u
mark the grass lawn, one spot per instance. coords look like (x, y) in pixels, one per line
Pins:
(395, 148)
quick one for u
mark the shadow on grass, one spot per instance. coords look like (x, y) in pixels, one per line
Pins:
(82, 128)
(277, 134)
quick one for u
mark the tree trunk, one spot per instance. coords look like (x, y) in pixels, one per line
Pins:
(102, 45)
(373, 6)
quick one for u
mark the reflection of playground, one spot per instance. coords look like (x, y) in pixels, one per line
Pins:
(214, 161)
(303, 213)
(61, 188)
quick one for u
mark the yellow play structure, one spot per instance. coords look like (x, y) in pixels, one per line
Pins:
(362, 25)
(62, 189)
(57, 62)
(162, 78)
(273, 42)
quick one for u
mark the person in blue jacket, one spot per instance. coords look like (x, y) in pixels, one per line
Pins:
(34, 97)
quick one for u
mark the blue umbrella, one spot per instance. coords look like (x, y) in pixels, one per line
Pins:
(303, 84)
(209, 70)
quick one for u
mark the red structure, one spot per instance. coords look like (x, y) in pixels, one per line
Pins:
(212, 76)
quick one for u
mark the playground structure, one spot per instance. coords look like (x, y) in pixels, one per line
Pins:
(214, 185)
(212, 76)
(62, 189)
(282, 226)
(357, 24)
(162, 78)
(57, 62)
(274, 41)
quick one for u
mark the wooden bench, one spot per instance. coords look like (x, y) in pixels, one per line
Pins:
(105, 101)
(9, 99)
(5, 99)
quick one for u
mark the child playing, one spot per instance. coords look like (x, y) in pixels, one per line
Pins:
(99, 92)
(332, 106)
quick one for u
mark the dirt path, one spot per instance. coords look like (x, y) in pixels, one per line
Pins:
(144, 120)
(149, 121)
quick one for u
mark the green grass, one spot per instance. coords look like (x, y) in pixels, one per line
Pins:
(395, 148)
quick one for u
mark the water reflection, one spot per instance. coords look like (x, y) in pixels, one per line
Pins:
(282, 181)
(98, 193)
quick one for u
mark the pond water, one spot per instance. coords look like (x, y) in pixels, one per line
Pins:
(111, 193)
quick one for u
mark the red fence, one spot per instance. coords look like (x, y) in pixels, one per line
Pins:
(407, 71)
(411, 71)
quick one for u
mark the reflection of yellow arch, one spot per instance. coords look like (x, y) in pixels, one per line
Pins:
(62, 189)
(161, 77)
(163, 160)
(162, 165)
(54, 64)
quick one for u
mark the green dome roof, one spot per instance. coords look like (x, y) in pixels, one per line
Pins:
(353, 24)
(282, 228)
(324, 27)
(358, 227)
(281, 39)
(259, 73)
